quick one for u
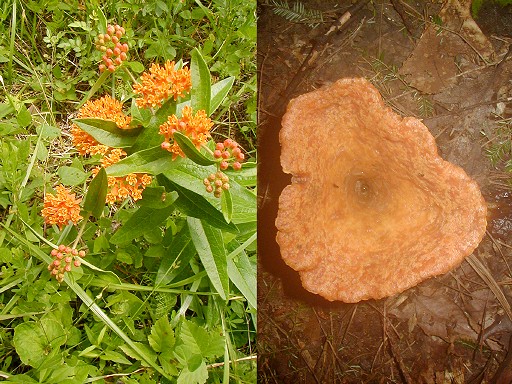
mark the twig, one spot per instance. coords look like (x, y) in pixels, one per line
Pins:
(246, 358)
(399, 8)
(486, 276)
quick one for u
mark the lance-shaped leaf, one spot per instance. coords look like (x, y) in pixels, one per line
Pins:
(153, 161)
(96, 194)
(210, 247)
(190, 150)
(195, 205)
(201, 83)
(108, 133)
(219, 91)
(145, 219)
(226, 203)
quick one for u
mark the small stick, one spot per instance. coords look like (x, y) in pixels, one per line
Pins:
(399, 8)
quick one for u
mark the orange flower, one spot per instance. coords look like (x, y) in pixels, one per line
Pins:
(196, 128)
(162, 83)
(61, 208)
(130, 185)
(105, 108)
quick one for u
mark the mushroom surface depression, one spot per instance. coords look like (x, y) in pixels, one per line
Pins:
(372, 209)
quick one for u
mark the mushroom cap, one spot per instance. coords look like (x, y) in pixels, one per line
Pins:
(372, 208)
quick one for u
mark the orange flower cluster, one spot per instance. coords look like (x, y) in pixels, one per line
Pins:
(130, 185)
(120, 188)
(105, 108)
(61, 208)
(195, 127)
(162, 83)
(64, 258)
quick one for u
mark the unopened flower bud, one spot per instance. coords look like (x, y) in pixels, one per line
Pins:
(217, 154)
(81, 253)
(224, 165)
(77, 263)
(62, 247)
(237, 166)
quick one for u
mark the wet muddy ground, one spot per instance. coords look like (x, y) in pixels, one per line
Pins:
(455, 328)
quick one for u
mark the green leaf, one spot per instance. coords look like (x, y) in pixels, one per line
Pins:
(34, 341)
(243, 274)
(197, 340)
(108, 133)
(147, 357)
(195, 205)
(247, 176)
(143, 220)
(161, 338)
(48, 132)
(139, 115)
(150, 136)
(194, 374)
(71, 175)
(24, 118)
(156, 197)
(226, 202)
(96, 194)
(190, 150)
(153, 161)
(115, 357)
(190, 176)
(210, 247)
(219, 92)
(179, 253)
(201, 83)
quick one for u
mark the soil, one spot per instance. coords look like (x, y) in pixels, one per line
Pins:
(455, 328)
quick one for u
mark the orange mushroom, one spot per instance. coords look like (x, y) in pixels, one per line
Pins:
(372, 208)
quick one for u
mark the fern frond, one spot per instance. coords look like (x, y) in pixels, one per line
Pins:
(297, 13)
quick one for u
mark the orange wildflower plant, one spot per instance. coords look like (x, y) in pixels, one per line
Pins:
(61, 208)
(195, 127)
(105, 108)
(161, 83)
